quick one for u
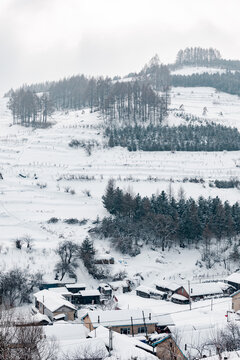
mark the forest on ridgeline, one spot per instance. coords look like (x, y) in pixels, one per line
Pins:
(134, 107)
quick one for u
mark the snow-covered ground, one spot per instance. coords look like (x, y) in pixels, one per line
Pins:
(51, 169)
(222, 108)
(189, 70)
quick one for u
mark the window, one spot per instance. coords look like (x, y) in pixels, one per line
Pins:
(125, 331)
(141, 330)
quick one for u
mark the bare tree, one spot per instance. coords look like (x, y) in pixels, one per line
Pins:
(67, 251)
(21, 342)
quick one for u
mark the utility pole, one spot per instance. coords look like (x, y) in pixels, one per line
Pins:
(144, 322)
(110, 340)
(189, 292)
(211, 304)
(132, 326)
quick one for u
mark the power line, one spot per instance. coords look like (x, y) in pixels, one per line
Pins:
(153, 315)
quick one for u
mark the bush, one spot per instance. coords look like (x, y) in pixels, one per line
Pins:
(71, 221)
(53, 220)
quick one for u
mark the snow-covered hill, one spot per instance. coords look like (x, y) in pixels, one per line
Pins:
(43, 177)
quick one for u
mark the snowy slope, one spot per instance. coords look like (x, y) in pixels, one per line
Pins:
(51, 168)
(189, 70)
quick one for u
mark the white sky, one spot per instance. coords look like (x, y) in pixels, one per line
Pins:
(49, 39)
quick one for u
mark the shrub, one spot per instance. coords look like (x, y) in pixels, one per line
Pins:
(53, 220)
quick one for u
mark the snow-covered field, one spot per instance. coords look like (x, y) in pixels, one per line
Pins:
(189, 70)
(222, 108)
(51, 169)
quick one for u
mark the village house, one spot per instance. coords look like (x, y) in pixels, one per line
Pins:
(128, 322)
(104, 259)
(236, 301)
(208, 289)
(171, 288)
(166, 347)
(234, 280)
(105, 290)
(122, 346)
(179, 299)
(121, 286)
(53, 284)
(88, 297)
(147, 292)
(54, 305)
(75, 288)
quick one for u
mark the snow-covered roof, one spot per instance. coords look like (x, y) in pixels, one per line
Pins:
(63, 330)
(61, 290)
(76, 285)
(121, 317)
(156, 337)
(89, 292)
(179, 297)
(235, 278)
(59, 316)
(91, 348)
(173, 286)
(124, 347)
(164, 320)
(206, 289)
(149, 290)
(105, 286)
(53, 301)
(118, 284)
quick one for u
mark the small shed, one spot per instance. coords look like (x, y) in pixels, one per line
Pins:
(147, 292)
(89, 297)
(171, 288)
(75, 288)
(120, 286)
(105, 290)
(179, 299)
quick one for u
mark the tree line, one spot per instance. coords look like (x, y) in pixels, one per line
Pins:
(28, 107)
(153, 137)
(228, 82)
(197, 56)
(163, 221)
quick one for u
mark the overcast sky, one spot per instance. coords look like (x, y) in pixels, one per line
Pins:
(49, 39)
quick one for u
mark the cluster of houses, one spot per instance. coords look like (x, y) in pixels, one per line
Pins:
(180, 294)
(146, 331)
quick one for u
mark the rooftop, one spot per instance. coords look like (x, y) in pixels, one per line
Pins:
(235, 278)
(52, 300)
(121, 317)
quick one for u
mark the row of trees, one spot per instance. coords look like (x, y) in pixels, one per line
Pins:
(164, 221)
(209, 137)
(228, 82)
(29, 108)
(136, 99)
(197, 56)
